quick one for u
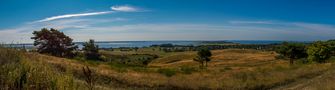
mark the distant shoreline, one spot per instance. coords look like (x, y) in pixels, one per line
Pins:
(118, 44)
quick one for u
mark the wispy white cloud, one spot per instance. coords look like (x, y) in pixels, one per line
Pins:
(245, 30)
(101, 29)
(22, 33)
(124, 8)
(74, 15)
(251, 22)
(315, 26)
(15, 36)
(201, 32)
(177, 32)
(307, 27)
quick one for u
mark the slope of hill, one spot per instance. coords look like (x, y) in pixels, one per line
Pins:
(229, 69)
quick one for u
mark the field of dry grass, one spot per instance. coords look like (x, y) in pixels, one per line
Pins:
(229, 69)
(229, 57)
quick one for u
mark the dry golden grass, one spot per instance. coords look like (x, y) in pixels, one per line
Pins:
(233, 56)
(220, 58)
(21, 71)
(229, 69)
(325, 81)
(153, 51)
(175, 59)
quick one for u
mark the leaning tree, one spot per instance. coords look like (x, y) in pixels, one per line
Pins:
(53, 42)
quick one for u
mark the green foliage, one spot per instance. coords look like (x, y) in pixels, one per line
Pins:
(292, 51)
(203, 55)
(167, 72)
(91, 50)
(53, 42)
(79, 56)
(187, 70)
(125, 67)
(119, 67)
(319, 51)
(130, 59)
(331, 44)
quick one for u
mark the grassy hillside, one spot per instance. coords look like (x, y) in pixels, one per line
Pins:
(229, 69)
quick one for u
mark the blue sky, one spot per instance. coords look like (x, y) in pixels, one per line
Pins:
(117, 20)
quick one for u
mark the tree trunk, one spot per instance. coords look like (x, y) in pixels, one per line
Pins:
(291, 61)
(202, 64)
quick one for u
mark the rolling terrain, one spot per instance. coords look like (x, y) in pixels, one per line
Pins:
(229, 69)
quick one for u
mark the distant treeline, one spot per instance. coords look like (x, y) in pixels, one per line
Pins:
(181, 48)
(242, 46)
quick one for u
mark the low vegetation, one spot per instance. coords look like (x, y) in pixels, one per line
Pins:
(91, 50)
(19, 71)
(58, 67)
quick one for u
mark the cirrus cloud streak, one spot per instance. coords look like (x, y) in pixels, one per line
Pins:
(74, 15)
(122, 8)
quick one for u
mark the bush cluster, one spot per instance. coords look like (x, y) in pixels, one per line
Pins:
(319, 51)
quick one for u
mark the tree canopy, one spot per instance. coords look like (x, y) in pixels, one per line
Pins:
(203, 56)
(331, 44)
(53, 42)
(292, 51)
(319, 51)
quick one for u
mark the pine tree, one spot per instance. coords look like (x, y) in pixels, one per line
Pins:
(54, 42)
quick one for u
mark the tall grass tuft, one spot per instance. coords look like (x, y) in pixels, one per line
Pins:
(89, 77)
(17, 72)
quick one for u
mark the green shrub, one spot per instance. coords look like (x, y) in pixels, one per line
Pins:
(187, 70)
(167, 72)
(79, 56)
(319, 52)
(91, 50)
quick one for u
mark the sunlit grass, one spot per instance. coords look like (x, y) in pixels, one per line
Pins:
(230, 69)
